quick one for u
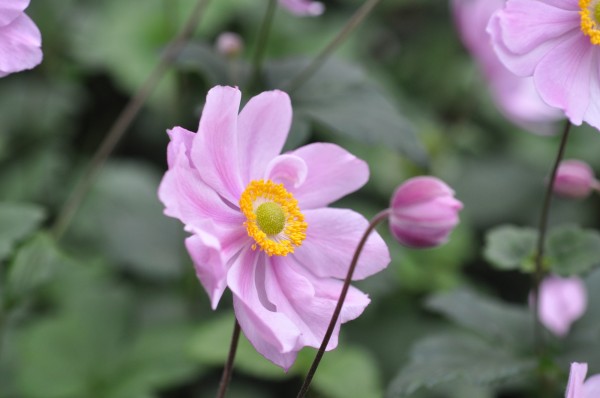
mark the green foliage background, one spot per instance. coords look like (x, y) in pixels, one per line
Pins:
(114, 309)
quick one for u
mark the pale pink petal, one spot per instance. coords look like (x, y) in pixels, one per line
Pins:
(519, 64)
(263, 126)
(522, 33)
(563, 76)
(270, 331)
(11, 9)
(20, 43)
(591, 387)
(179, 136)
(211, 270)
(215, 150)
(309, 301)
(289, 170)
(331, 239)
(576, 378)
(592, 114)
(303, 7)
(562, 301)
(333, 173)
(188, 198)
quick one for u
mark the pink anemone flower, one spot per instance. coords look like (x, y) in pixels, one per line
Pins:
(558, 43)
(562, 302)
(259, 222)
(577, 387)
(515, 96)
(20, 39)
(303, 7)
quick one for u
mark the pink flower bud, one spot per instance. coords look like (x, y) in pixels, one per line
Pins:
(423, 212)
(229, 44)
(574, 179)
(562, 302)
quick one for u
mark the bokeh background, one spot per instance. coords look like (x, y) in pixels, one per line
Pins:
(114, 310)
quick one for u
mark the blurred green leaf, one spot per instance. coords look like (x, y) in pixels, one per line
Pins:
(496, 321)
(33, 266)
(448, 357)
(573, 250)
(342, 98)
(17, 221)
(509, 247)
(123, 218)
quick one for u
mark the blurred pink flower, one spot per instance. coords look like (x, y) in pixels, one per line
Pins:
(20, 39)
(577, 388)
(562, 301)
(575, 179)
(303, 7)
(260, 224)
(423, 212)
(229, 44)
(557, 42)
(515, 96)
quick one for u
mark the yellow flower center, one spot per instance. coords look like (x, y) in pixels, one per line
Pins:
(273, 218)
(590, 19)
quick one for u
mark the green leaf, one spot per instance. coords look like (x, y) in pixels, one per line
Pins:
(342, 98)
(498, 322)
(124, 219)
(573, 250)
(508, 247)
(444, 358)
(17, 220)
(34, 265)
(348, 372)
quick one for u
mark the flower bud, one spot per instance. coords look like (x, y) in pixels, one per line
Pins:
(562, 301)
(574, 179)
(229, 44)
(423, 212)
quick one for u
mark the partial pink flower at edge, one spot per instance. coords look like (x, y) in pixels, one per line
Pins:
(423, 212)
(562, 301)
(548, 40)
(577, 387)
(20, 39)
(218, 179)
(303, 7)
(515, 96)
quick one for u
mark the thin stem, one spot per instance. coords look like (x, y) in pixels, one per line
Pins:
(543, 226)
(263, 37)
(337, 41)
(122, 123)
(235, 337)
(338, 308)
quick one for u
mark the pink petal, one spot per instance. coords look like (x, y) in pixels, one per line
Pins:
(187, 197)
(308, 301)
(209, 263)
(592, 114)
(576, 377)
(179, 136)
(20, 43)
(263, 125)
(562, 301)
(563, 76)
(333, 173)
(303, 7)
(215, 150)
(271, 332)
(11, 9)
(591, 387)
(331, 239)
(288, 170)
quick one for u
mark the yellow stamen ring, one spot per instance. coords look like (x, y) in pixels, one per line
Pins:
(273, 218)
(590, 20)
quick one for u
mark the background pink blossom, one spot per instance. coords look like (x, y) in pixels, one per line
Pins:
(20, 39)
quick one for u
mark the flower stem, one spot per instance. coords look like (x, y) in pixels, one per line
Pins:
(124, 120)
(341, 37)
(338, 308)
(539, 254)
(263, 36)
(235, 337)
